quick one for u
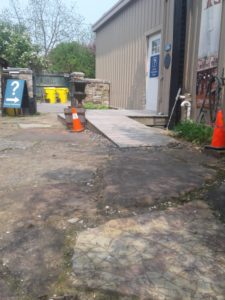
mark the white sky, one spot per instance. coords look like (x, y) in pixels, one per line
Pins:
(91, 10)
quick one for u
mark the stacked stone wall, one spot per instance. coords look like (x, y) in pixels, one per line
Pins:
(26, 75)
(97, 91)
(0, 84)
(22, 74)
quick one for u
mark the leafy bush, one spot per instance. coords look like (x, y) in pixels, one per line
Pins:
(196, 133)
(17, 48)
(72, 57)
(91, 105)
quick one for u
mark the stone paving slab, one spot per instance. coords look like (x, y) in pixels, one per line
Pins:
(51, 108)
(10, 145)
(173, 254)
(34, 125)
(125, 132)
(216, 197)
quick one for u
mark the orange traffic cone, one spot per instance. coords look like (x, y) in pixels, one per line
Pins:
(218, 140)
(77, 126)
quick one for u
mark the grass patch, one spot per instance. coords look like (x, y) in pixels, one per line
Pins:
(199, 134)
(91, 105)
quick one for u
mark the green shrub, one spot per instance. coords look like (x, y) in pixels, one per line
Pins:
(196, 133)
(91, 105)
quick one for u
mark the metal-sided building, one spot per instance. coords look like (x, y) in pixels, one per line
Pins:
(148, 49)
(136, 41)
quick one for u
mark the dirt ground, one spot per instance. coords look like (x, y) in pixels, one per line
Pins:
(60, 193)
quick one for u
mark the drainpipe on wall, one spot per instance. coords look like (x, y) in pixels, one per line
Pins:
(179, 32)
(186, 107)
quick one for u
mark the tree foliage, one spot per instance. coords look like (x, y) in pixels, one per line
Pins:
(57, 29)
(16, 47)
(50, 22)
(72, 56)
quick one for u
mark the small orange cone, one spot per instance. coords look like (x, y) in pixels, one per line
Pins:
(77, 126)
(218, 140)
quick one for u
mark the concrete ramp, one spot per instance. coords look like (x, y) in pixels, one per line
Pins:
(119, 127)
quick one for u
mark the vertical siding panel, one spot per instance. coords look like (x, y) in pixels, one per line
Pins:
(118, 63)
(124, 59)
(128, 60)
(124, 74)
(134, 58)
(151, 15)
(153, 12)
(158, 5)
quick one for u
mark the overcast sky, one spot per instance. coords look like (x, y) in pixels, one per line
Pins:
(91, 10)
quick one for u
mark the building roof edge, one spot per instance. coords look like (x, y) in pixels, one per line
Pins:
(111, 13)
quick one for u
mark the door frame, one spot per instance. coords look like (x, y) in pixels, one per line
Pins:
(148, 35)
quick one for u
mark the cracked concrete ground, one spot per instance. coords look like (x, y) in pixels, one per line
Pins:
(82, 219)
(172, 254)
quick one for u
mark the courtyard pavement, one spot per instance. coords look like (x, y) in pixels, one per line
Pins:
(81, 219)
(172, 254)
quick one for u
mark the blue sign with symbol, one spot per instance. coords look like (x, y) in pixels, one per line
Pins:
(14, 93)
(154, 66)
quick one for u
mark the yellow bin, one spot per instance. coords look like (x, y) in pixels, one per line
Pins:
(50, 94)
(62, 94)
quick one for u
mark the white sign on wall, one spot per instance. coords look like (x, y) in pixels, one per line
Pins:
(209, 34)
(209, 44)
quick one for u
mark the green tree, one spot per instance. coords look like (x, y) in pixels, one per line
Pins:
(49, 22)
(17, 49)
(73, 56)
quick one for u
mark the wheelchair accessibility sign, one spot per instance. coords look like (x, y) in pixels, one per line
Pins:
(154, 66)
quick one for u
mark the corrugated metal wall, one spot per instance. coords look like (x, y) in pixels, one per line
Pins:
(122, 50)
(222, 52)
(191, 53)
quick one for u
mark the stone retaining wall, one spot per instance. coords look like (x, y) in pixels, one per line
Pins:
(23, 74)
(3, 64)
(0, 85)
(97, 91)
(28, 76)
